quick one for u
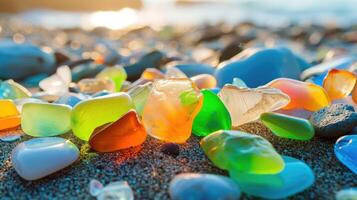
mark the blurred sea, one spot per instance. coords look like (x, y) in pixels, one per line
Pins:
(162, 12)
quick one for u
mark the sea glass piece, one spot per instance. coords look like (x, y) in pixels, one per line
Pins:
(345, 151)
(204, 81)
(287, 126)
(124, 133)
(242, 152)
(45, 119)
(92, 113)
(171, 108)
(40, 157)
(95, 187)
(339, 83)
(58, 83)
(11, 90)
(116, 73)
(239, 82)
(9, 115)
(303, 95)
(20, 102)
(212, 117)
(116, 190)
(347, 194)
(246, 104)
(295, 177)
(93, 85)
(139, 95)
(174, 72)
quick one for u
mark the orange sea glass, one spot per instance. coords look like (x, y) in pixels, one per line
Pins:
(339, 83)
(9, 115)
(124, 133)
(171, 108)
(303, 95)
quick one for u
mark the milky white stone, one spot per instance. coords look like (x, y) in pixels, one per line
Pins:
(58, 83)
(119, 190)
(246, 104)
(39, 157)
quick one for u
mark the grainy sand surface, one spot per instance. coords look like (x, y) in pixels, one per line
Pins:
(149, 171)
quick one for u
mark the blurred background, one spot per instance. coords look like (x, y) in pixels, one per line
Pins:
(117, 14)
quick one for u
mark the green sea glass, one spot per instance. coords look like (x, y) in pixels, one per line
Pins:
(11, 90)
(139, 95)
(286, 126)
(212, 117)
(45, 119)
(117, 74)
(242, 152)
(92, 113)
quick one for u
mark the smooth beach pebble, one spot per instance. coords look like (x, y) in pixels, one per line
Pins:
(116, 73)
(170, 149)
(204, 81)
(334, 121)
(115, 190)
(295, 177)
(339, 83)
(39, 157)
(9, 115)
(347, 194)
(92, 113)
(45, 119)
(11, 90)
(346, 151)
(58, 83)
(171, 108)
(124, 133)
(203, 187)
(212, 117)
(267, 64)
(243, 152)
(288, 127)
(303, 95)
(246, 104)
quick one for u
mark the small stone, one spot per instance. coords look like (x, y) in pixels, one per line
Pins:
(70, 99)
(303, 95)
(212, 117)
(10, 137)
(204, 81)
(116, 190)
(40, 157)
(242, 152)
(95, 187)
(124, 133)
(203, 187)
(246, 105)
(345, 151)
(295, 177)
(18, 61)
(171, 149)
(11, 90)
(267, 64)
(171, 108)
(116, 73)
(288, 127)
(339, 83)
(93, 85)
(89, 114)
(334, 121)
(194, 69)
(45, 119)
(58, 83)
(347, 194)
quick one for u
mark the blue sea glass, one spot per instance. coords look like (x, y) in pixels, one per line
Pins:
(346, 151)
